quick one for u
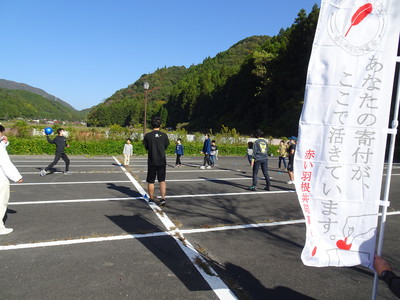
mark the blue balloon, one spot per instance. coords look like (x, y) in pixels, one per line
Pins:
(48, 130)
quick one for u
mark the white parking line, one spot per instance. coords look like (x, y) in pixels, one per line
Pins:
(154, 234)
(80, 172)
(216, 284)
(62, 165)
(74, 201)
(65, 182)
(206, 179)
(230, 194)
(192, 170)
(143, 197)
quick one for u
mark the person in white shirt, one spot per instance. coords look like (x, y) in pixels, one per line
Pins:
(7, 172)
(4, 141)
(128, 151)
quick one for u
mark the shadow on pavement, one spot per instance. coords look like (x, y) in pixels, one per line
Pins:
(124, 189)
(166, 249)
(8, 211)
(246, 286)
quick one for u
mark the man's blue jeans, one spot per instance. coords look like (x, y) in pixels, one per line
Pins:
(264, 168)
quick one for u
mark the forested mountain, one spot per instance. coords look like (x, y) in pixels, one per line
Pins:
(12, 85)
(257, 83)
(24, 104)
(126, 106)
(267, 92)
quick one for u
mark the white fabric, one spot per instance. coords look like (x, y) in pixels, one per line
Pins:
(4, 197)
(7, 169)
(343, 128)
(128, 149)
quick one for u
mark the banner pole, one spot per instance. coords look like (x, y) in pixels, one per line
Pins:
(385, 204)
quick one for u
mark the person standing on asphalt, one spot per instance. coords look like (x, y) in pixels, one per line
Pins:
(260, 159)
(283, 153)
(128, 151)
(156, 142)
(207, 152)
(179, 151)
(61, 143)
(7, 171)
(291, 150)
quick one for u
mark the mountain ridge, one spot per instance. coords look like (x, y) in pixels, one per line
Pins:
(13, 85)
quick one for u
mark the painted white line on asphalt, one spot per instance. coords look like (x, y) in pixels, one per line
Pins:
(74, 182)
(230, 194)
(206, 179)
(62, 165)
(15, 161)
(257, 225)
(75, 172)
(154, 234)
(74, 201)
(142, 198)
(392, 213)
(192, 170)
(216, 284)
(246, 226)
(79, 241)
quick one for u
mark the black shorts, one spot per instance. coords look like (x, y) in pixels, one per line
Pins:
(290, 164)
(153, 171)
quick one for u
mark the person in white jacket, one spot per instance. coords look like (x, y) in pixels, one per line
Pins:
(7, 172)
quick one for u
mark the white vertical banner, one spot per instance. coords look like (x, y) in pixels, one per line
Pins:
(343, 129)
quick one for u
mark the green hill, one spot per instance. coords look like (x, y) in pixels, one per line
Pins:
(257, 83)
(24, 104)
(12, 85)
(126, 106)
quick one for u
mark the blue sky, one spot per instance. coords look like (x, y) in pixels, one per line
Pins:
(82, 51)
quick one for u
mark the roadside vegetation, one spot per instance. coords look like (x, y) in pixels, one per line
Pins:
(28, 139)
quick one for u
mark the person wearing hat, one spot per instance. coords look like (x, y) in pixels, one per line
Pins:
(291, 150)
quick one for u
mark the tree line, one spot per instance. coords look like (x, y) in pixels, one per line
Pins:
(257, 83)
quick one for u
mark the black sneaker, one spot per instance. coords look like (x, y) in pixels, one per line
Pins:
(151, 200)
(253, 188)
(163, 202)
(267, 188)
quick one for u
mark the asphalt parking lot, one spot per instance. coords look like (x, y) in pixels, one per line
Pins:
(92, 235)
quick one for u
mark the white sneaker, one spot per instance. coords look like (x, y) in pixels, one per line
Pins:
(43, 173)
(4, 231)
(208, 167)
(67, 173)
(202, 167)
(290, 182)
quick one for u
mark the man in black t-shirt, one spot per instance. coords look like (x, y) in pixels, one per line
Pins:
(156, 142)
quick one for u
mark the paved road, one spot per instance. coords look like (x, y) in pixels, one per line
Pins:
(90, 235)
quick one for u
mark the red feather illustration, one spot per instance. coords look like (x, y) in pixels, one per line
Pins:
(360, 15)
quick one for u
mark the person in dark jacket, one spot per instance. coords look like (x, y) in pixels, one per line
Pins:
(260, 159)
(386, 273)
(207, 152)
(61, 143)
(156, 142)
(179, 151)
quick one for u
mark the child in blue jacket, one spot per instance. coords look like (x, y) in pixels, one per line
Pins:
(179, 150)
